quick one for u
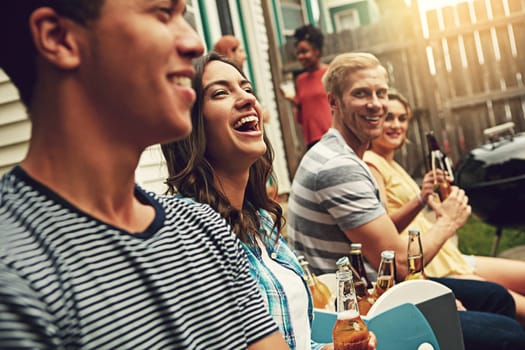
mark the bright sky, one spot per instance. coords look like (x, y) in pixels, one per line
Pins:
(431, 4)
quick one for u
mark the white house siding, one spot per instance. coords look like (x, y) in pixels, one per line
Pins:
(258, 46)
(151, 172)
(15, 127)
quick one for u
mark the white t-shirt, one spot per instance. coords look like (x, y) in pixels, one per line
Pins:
(297, 299)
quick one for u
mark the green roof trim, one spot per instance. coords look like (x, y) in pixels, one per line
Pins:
(206, 28)
(310, 13)
(278, 29)
(245, 42)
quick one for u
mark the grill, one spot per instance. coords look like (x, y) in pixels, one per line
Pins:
(493, 176)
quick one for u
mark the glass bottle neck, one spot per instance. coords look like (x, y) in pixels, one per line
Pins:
(310, 277)
(346, 305)
(416, 264)
(386, 268)
(356, 259)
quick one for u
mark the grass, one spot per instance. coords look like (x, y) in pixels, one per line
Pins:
(477, 237)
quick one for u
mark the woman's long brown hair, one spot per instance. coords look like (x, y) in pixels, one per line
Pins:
(191, 175)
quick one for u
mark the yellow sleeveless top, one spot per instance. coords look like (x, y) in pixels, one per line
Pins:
(400, 189)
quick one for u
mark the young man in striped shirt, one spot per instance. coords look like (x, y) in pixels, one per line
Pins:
(88, 259)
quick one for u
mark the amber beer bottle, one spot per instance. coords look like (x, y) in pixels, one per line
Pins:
(349, 332)
(439, 160)
(357, 261)
(386, 274)
(416, 261)
(364, 299)
(321, 294)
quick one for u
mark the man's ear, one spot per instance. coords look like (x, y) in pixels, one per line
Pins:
(332, 102)
(54, 39)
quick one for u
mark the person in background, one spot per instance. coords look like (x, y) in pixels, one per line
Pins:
(405, 201)
(225, 163)
(334, 201)
(311, 107)
(88, 259)
(229, 46)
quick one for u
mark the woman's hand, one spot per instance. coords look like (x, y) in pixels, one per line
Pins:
(427, 187)
(288, 92)
(455, 207)
(372, 343)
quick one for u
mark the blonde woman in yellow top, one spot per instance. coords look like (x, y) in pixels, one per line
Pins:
(405, 201)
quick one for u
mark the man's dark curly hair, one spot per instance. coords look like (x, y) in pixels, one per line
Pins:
(311, 34)
(18, 58)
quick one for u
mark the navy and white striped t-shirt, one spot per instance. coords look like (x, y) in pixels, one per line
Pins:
(68, 280)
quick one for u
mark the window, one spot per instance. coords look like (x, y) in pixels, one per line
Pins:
(293, 15)
(348, 19)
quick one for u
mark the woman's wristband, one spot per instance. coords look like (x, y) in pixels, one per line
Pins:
(420, 199)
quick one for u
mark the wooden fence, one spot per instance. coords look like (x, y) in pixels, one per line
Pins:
(462, 68)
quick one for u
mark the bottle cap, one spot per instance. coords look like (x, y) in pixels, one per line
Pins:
(356, 246)
(387, 254)
(342, 261)
(413, 231)
(392, 251)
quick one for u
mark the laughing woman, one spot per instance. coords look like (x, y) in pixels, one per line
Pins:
(225, 162)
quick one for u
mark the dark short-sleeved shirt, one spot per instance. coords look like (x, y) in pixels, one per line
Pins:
(68, 280)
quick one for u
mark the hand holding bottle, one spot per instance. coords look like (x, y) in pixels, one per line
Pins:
(441, 185)
(427, 186)
(439, 162)
(372, 343)
(455, 208)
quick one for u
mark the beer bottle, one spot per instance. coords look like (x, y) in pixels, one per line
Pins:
(357, 261)
(321, 294)
(416, 262)
(349, 332)
(439, 160)
(364, 299)
(386, 274)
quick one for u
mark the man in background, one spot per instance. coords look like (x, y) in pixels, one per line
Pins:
(229, 46)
